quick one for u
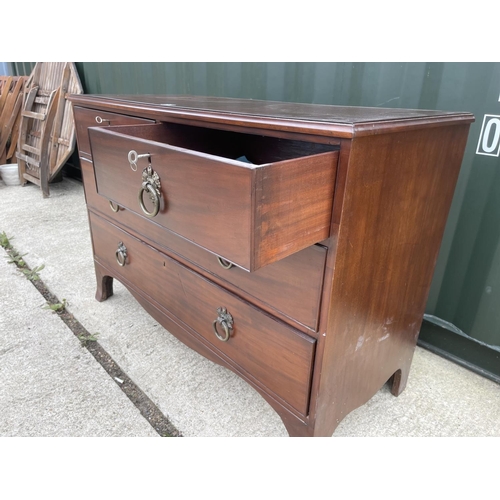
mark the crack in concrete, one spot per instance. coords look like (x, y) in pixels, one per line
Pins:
(160, 423)
(6, 350)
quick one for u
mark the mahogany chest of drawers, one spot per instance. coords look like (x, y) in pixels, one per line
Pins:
(292, 243)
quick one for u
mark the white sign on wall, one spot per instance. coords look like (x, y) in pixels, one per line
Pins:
(489, 138)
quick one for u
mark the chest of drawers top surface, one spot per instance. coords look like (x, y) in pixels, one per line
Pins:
(320, 119)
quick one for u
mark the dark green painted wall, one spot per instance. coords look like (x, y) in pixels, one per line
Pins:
(466, 285)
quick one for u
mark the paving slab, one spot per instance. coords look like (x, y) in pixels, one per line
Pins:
(199, 397)
(50, 384)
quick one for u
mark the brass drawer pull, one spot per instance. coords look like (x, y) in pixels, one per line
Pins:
(100, 120)
(121, 254)
(151, 185)
(226, 321)
(114, 206)
(224, 263)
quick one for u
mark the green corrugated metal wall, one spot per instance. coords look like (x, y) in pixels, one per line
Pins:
(466, 285)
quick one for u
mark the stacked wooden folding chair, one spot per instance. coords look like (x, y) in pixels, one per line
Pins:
(11, 99)
(47, 133)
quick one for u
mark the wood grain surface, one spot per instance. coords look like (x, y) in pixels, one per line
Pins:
(300, 274)
(393, 216)
(316, 120)
(336, 228)
(251, 215)
(279, 357)
(85, 118)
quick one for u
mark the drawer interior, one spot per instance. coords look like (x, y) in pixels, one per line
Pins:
(249, 148)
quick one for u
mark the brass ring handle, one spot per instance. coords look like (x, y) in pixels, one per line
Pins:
(112, 205)
(99, 120)
(121, 254)
(226, 331)
(152, 185)
(224, 263)
(153, 196)
(226, 321)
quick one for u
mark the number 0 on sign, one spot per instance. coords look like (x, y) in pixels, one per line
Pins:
(489, 139)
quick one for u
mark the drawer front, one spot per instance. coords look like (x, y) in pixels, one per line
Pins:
(85, 118)
(277, 356)
(291, 286)
(251, 215)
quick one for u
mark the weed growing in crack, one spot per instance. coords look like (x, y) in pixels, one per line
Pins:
(56, 308)
(84, 339)
(5, 241)
(16, 258)
(32, 274)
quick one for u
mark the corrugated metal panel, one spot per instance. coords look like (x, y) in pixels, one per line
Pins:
(5, 69)
(466, 286)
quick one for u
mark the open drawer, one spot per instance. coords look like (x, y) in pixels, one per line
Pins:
(249, 199)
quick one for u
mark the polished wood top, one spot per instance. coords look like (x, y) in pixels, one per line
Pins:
(316, 119)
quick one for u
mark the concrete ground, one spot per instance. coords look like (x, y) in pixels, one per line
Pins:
(52, 386)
